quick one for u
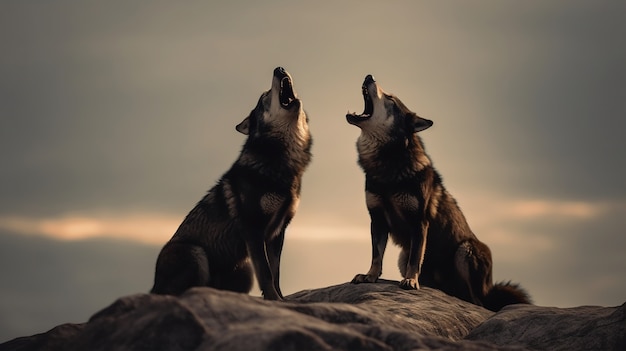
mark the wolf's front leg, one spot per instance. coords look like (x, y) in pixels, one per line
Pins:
(380, 233)
(274, 249)
(414, 259)
(258, 255)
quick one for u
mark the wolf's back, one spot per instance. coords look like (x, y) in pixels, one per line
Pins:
(505, 293)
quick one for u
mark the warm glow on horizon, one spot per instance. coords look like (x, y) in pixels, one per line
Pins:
(145, 228)
(157, 228)
(486, 209)
(538, 208)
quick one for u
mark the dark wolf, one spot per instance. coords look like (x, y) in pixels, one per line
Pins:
(406, 199)
(243, 218)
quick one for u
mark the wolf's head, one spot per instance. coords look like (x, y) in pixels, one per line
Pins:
(385, 116)
(278, 113)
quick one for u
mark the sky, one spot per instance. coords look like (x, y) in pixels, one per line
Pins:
(116, 117)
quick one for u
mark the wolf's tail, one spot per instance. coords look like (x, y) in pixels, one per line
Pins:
(505, 293)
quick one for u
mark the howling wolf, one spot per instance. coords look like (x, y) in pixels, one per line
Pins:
(406, 198)
(243, 218)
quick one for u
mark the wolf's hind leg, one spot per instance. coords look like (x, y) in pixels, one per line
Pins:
(239, 279)
(473, 266)
(179, 267)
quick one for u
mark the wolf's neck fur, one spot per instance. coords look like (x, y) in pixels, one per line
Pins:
(276, 156)
(392, 158)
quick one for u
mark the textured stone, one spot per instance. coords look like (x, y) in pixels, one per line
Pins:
(343, 317)
(551, 328)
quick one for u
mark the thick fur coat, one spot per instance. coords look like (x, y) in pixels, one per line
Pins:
(242, 219)
(407, 200)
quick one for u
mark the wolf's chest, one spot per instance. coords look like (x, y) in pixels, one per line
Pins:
(398, 208)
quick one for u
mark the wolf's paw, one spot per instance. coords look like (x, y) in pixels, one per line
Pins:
(409, 284)
(273, 298)
(364, 278)
(272, 295)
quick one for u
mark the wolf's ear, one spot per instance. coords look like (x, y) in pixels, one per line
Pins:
(417, 123)
(244, 126)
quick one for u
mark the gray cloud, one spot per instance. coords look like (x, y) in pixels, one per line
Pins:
(570, 104)
(141, 113)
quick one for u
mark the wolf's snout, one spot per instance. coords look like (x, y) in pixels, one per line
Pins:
(280, 72)
(369, 79)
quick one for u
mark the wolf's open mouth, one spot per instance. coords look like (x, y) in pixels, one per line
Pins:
(368, 110)
(286, 94)
(369, 105)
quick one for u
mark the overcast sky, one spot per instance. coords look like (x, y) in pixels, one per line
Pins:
(116, 117)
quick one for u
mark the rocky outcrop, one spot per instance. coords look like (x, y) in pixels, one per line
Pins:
(551, 328)
(344, 317)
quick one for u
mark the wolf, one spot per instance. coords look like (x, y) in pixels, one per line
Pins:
(407, 200)
(239, 226)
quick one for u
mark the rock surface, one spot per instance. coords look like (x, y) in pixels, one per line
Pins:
(577, 328)
(343, 317)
